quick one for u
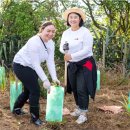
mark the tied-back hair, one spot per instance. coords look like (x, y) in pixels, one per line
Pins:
(45, 24)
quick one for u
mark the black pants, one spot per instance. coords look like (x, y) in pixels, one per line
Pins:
(31, 90)
(79, 88)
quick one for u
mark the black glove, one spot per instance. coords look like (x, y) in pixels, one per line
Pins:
(66, 46)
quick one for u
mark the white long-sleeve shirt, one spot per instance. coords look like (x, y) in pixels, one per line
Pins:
(33, 53)
(80, 43)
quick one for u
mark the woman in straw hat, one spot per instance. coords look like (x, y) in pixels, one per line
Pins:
(82, 72)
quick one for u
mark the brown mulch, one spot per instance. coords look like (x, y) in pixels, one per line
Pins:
(97, 119)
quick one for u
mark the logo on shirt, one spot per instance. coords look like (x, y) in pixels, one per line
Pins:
(76, 38)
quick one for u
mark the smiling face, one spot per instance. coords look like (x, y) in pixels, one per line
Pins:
(74, 20)
(48, 32)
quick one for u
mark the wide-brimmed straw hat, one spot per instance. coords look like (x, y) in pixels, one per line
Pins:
(74, 10)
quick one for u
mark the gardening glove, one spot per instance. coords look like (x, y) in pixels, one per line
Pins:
(47, 85)
(66, 47)
(56, 81)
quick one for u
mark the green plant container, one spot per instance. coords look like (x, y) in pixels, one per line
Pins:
(98, 79)
(54, 108)
(128, 105)
(2, 79)
(15, 91)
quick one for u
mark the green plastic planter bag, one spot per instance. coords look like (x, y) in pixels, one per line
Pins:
(98, 79)
(2, 79)
(15, 91)
(128, 105)
(54, 108)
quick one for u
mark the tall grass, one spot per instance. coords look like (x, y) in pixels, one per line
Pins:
(126, 103)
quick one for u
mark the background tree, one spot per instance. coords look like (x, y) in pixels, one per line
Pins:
(111, 23)
(107, 20)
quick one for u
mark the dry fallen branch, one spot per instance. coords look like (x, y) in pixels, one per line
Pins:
(111, 109)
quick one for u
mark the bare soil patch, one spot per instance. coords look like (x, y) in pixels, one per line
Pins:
(97, 119)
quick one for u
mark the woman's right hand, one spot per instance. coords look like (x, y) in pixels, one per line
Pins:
(67, 57)
(47, 85)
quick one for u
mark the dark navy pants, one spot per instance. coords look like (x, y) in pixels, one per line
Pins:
(79, 88)
(31, 89)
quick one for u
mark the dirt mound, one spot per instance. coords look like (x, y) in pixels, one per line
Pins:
(97, 119)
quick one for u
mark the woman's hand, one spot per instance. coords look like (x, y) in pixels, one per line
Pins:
(56, 81)
(67, 57)
(47, 85)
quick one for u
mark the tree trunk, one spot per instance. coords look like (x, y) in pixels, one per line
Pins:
(124, 58)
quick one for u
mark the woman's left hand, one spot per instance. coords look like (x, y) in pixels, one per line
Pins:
(67, 57)
(56, 81)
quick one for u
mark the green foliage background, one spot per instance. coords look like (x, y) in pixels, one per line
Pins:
(107, 20)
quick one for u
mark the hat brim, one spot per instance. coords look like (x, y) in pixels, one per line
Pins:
(74, 10)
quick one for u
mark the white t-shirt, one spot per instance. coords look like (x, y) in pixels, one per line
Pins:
(33, 53)
(80, 43)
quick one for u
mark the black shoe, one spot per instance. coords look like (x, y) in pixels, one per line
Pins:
(36, 121)
(18, 111)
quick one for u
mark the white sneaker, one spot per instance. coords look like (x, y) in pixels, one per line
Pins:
(81, 119)
(76, 112)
